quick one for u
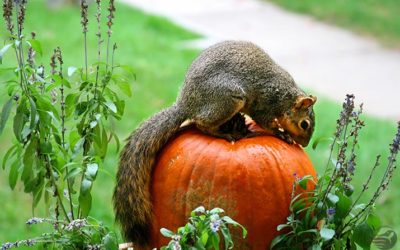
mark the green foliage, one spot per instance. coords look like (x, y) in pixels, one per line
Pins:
(61, 125)
(204, 230)
(332, 216)
(78, 234)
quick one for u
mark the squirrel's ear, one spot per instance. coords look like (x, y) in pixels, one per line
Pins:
(304, 102)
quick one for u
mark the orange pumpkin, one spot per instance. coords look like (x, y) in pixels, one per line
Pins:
(250, 179)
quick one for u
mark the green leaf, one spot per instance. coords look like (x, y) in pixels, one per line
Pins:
(72, 173)
(315, 247)
(5, 113)
(227, 237)
(215, 241)
(33, 113)
(104, 144)
(128, 70)
(3, 51)
(343, 206)
(70, 102)
(125, 88)
(200, 209)
(333, 198)
(109, 241)
(204, 237)
(28, 159)
(46, 147)
(37, 194)
(319, 140)
(81, 108)
(13, 175)
(86, 185)
(85, 202)
(363, 235)
(19, 122)
(46, 107)
(282, 226)
(111, 106)
(167, 233)
(78, 145)
(66, 83)
(374, 222)
(74, 137)
(35, 44)
(197, 245)
(120, 108)
(229, 220)
(93, 124)
(29, 184)
(327, 233)
(117, 142)
(278, 239)
(91, 170)
(303, 183)
(349, 190)
(314, 231)
(216, 210)
(10, 152)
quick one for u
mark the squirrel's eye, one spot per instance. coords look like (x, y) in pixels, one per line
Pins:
(304, 124)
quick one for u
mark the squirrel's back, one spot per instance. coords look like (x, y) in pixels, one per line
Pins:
(243, 64)
(241, 58)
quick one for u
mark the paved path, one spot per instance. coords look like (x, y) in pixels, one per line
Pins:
(326, 59)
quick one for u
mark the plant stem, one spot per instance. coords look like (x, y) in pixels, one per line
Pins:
(98, 18)
(108, 52)
(86, 54)
(55, 186)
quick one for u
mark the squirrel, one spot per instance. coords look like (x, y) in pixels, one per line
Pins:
(228, 78)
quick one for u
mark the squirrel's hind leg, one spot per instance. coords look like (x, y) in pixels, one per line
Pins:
(215, 114)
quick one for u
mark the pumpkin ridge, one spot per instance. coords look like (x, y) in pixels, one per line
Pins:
(280, 174)
(259, 160)
(202, 145)
(220, 146)
(252, 193)
(178, 183)
(288, 189)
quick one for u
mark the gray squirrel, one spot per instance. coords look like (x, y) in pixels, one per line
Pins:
(226, 79)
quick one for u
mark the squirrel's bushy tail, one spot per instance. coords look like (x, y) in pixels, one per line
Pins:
(132, 201)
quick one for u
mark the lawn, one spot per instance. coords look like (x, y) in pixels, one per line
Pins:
(375, 18)
(153, 47)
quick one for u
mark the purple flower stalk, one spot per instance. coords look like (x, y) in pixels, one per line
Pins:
(214, 225)
(7, 245)
(330, 211)
(76, 224)
(34, 220)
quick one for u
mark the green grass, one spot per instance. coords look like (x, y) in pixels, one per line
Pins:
(152, 46)
(376, 18)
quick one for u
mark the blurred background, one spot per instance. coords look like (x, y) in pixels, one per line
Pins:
(331, 48)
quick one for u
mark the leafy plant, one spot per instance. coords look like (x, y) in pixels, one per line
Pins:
(203, 231)
(332, 216)
(63, 125)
